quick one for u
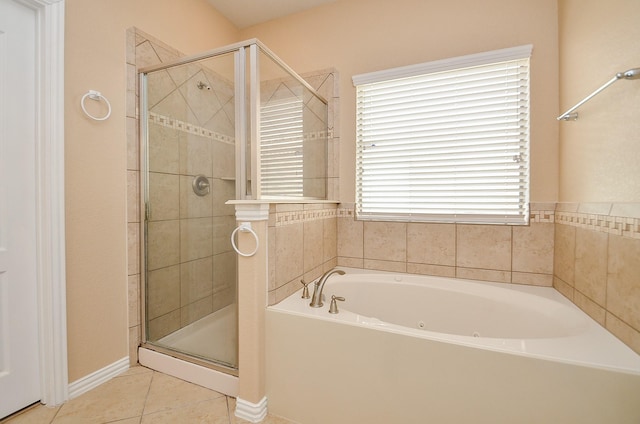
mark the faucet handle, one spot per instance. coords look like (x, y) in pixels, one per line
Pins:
(333, 308)
(305, 290)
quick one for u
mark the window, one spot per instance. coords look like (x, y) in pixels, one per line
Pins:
(445, 141)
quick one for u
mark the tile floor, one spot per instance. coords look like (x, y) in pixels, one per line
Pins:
(141, 396)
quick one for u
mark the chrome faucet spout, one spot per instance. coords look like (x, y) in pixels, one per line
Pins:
(316, 299)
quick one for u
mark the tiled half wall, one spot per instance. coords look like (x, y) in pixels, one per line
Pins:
(501, 253)
(597, 264)
(302, 245)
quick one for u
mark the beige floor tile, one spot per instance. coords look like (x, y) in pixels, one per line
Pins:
(119, 398)
(124, 400)
(136, 370)
(212, 411)
(36, 415)
(168, 392)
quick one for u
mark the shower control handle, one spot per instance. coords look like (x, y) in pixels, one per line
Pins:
(200, 185)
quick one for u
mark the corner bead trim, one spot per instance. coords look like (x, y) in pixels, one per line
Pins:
(252, 412)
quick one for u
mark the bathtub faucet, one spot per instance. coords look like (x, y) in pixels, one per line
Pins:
(316, 299)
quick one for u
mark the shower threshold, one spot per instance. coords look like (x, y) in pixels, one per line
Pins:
(188, 353)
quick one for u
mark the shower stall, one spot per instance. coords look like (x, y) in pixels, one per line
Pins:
(233, 123)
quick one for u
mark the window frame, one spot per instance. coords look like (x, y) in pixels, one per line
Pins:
(434, 67)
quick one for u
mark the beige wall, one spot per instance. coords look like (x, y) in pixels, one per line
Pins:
(96, 160)
(599, 152)
(359, 36)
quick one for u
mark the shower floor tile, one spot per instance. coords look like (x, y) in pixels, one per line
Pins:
(140, 396)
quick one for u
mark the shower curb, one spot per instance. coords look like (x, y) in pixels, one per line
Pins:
(193, 373)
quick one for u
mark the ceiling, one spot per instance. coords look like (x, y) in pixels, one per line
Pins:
(244, 13)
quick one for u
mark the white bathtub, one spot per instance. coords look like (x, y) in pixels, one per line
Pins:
(416, 349)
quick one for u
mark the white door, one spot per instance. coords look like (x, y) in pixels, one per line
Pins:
(19, 367)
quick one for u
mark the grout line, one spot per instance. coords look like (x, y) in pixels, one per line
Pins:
(228, 410)
(146, 398)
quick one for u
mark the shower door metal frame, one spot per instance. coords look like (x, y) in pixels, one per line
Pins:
(255, 47)
(240, 62)
(144, 198)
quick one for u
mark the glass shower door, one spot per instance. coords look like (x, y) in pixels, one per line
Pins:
(190, 287)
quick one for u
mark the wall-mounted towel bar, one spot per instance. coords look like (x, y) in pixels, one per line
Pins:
(570, 115)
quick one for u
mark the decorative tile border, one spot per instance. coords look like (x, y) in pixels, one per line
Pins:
(542, 216)
(346, 213)
(317, 135)
(621, 226)
(169, 122)
(296, 217)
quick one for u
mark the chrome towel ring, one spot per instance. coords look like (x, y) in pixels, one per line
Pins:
(97, 96)
(244, 227)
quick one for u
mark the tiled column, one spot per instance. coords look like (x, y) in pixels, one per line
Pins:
(251, 404)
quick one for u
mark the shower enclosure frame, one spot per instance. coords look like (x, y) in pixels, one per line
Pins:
(246, 128)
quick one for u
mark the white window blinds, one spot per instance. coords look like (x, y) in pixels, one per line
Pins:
(445, 141)
(281, 139)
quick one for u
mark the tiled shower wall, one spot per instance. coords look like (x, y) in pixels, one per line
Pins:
(303, 237)
(311, 149)
(597, 264)
(190, 264)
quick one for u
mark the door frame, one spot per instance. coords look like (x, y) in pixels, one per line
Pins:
(50, 207)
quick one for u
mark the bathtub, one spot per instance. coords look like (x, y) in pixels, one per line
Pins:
(418, 349)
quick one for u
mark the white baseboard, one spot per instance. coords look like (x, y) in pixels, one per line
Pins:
(252, 412)
(95, 379)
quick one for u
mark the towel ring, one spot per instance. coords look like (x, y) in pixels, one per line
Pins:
(245, 227)
(97, 96)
